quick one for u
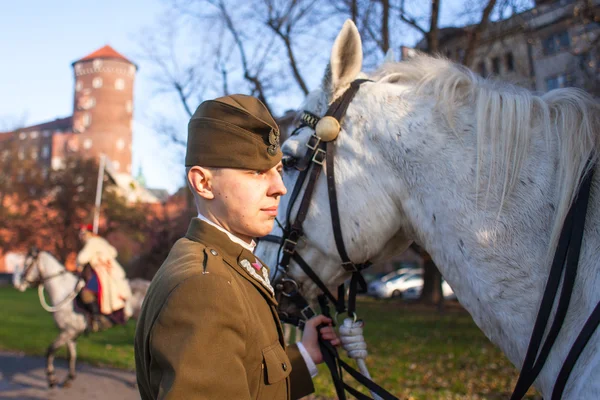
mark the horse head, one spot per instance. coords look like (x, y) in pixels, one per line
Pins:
(28, 275)
(369, 233)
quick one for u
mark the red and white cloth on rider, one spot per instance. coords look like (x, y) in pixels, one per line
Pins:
(113, 287)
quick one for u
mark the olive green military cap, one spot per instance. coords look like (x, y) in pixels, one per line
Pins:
(235, 131)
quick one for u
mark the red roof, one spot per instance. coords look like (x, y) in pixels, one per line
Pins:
(104, 52)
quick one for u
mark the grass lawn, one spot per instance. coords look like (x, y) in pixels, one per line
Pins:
(414, 352)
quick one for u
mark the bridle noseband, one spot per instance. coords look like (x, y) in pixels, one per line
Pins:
(319, 154)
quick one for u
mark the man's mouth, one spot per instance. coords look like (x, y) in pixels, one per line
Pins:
(270, 210)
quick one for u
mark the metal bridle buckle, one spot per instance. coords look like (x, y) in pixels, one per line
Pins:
(337, 314)
(313, 142)
(349, 266)
(289, 246)
(293, 284)
(319, 157)
(307, 313)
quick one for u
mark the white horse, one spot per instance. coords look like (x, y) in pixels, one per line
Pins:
(43, 270)
(481, 173)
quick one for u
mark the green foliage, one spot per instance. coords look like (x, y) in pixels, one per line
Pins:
(414, 352)
(49, 211)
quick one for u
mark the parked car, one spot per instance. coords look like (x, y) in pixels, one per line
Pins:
(414, 292)
(403, 283)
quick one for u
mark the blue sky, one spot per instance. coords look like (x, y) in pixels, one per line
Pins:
(40, 39)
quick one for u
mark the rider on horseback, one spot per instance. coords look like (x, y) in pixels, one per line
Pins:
(106, 287)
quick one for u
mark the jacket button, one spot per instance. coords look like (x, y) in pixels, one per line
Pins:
(284, 366)
(214, 252)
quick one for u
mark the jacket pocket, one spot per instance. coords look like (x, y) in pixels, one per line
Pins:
(276, 362)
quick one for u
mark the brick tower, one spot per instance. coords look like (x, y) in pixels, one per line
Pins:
(103, 106)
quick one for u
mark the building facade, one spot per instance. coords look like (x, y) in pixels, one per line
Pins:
(553, 45)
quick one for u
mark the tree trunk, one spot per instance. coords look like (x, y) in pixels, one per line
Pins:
(432, 280)
(432, 283)
(432, 35)
(385, 26)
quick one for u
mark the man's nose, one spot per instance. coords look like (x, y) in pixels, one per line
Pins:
(277, 187)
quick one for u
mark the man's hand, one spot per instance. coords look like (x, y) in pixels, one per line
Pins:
(310, 338)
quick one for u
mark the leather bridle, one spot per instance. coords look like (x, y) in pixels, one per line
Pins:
(319, 155)
(34, 255)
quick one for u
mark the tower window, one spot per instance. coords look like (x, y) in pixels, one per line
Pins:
(120, 144)
(22, 136)
(116, 165)
(97, 64)
(78, 86)
(33, 135)
(129, 107)
(119, 84)
(87, 144)
(97, 82)
(87, 119)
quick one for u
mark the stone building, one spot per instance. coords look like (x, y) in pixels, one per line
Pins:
(553, 45)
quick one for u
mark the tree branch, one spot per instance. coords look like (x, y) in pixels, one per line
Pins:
(475, 34)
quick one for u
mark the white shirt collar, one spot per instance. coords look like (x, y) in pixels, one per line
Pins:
(250, 247)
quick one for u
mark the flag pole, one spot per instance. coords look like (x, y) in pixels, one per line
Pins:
(101, 168)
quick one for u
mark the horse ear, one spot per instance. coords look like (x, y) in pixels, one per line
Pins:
(346, 59)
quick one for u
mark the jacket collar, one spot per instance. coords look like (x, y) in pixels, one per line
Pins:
(241, 260)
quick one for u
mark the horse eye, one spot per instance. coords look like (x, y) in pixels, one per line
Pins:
(288, 162)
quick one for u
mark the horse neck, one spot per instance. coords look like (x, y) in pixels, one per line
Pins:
(61, 284)
(497, 262)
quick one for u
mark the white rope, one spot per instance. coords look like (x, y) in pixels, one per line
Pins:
(353, 341)
(80, 284)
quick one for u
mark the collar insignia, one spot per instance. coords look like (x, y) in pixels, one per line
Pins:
(253, 271)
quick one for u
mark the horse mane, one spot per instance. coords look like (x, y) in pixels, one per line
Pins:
(507, 117)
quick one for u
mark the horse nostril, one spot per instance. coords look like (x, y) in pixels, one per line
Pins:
(288, 161)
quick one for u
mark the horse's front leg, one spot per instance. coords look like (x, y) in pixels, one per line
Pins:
(60, 341)
(72, 350)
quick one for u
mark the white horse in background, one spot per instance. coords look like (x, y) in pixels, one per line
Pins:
(43, 270)
(481, 173)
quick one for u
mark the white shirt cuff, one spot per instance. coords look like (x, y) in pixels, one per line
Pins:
(310, 364)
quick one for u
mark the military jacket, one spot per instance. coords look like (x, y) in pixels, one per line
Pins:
(209, 329)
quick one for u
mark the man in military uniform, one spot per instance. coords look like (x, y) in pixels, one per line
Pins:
(209, 327)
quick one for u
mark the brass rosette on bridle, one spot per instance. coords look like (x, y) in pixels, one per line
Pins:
(328, 129)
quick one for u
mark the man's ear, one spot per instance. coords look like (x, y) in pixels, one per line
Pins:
(200, 180)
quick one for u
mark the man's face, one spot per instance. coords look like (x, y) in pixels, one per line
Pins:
(245, 201)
